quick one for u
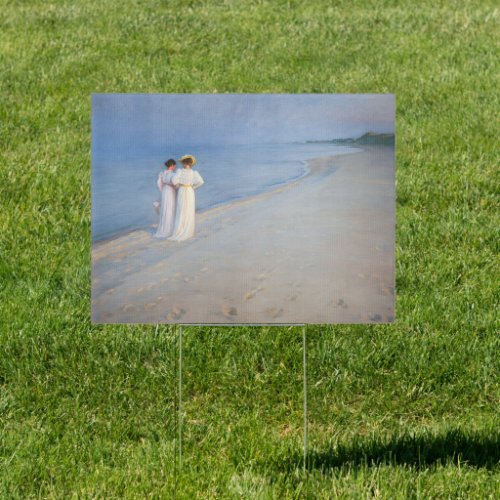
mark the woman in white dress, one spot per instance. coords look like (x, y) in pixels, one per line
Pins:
(168, 199)
(187, 181)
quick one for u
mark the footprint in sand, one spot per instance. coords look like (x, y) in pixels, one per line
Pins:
(145, 287)
(187, 279)
(340, 303)
(260, 277)
(274, 312)
(251, 294)
(386, 290)
(175, 313)
(110, 290)
(128, 308)
(150, 306)
(292, 297)
(229, 311)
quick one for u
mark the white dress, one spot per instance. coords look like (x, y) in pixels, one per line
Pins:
(187, 180)
(167, 209)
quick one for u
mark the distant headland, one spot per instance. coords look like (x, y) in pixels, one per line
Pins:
(368, 138)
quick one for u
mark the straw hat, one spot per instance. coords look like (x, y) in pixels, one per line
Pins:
(188, 157)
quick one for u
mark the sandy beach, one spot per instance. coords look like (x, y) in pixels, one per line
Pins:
(317, 250)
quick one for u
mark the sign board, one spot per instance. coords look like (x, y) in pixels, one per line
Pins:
(273, 209)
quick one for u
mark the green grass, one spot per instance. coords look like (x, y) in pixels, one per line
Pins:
(402, 411)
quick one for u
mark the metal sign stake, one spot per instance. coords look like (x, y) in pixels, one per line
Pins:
(180, 396)
(304, 362)
(305, 409)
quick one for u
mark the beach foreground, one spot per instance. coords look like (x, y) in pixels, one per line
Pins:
(318, 250)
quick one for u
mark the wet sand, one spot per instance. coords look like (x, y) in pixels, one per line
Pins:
(318, 250)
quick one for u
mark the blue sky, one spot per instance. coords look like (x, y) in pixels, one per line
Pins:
(138, 122)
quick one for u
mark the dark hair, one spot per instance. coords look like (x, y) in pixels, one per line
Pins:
(189, 161)
(170, 162)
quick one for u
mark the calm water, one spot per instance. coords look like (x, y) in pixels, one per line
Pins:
(123, 191)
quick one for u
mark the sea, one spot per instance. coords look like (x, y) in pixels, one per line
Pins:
(123, 190)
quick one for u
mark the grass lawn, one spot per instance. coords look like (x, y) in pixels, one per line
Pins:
(402, 411)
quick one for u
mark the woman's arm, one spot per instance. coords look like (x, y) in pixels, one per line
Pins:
(175, 180)
(198, 180)
(159, 182)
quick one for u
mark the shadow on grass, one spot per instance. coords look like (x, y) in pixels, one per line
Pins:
(418, 451)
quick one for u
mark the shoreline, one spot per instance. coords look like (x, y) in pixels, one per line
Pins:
(270, 189)
(331, 261)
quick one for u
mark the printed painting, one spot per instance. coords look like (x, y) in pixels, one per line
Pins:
(243, 209)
